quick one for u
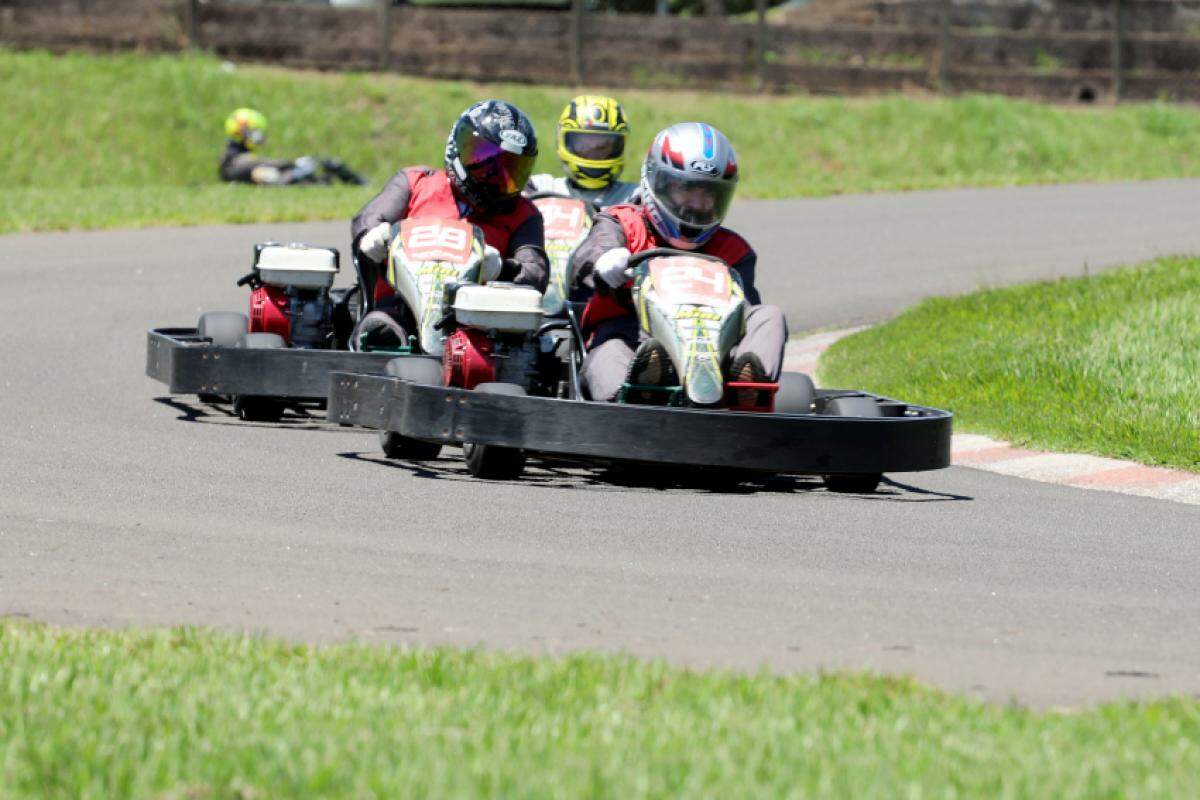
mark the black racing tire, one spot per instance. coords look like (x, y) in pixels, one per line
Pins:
(857, 483)
(425, 370)
(795, 395)
(403, 447)
(490, 462)
(416, 369)
(253, 408)
(855, 406)
(224, 328)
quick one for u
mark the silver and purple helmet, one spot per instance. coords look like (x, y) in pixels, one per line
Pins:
(688, 180)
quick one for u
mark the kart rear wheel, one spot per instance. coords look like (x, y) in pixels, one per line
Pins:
(416, 369)
(795, 395)
(853, 483)
(252, 408)
(488, 461)
(224, 328)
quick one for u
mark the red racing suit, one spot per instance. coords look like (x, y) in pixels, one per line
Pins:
(515, 230)
(627, 226)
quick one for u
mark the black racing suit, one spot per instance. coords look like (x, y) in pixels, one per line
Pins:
(240, 165)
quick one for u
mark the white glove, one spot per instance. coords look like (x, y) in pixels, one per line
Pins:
(491, 264)
(374, 243)
(610, 267)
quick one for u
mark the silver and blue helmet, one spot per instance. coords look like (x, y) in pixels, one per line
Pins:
(688, 180)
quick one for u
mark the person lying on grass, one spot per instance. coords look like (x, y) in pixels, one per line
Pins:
(246, 131)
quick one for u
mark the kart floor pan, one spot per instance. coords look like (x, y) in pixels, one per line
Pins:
(914, 439)
(188, 364)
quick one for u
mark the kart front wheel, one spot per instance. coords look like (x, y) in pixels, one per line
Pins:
(488, 461)
(253, 408)
(396, 446)
(853, 483)
(416, 369)
(795, 395)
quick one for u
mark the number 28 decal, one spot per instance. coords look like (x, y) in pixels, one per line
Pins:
(441, 240)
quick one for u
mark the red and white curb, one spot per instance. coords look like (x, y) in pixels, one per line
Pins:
(992, 455)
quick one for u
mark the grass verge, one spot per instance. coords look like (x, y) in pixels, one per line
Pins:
(1108, 364)
(191, 713)
(102, 141)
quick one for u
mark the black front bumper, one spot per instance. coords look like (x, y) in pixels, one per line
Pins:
(188, 364)
(916, 439)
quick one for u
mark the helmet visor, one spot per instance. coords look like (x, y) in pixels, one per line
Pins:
(255, 136)
(490, 165)
(594, 146)
(701, 202)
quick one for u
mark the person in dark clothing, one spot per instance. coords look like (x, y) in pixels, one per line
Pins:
(246, 130)
(489, 157)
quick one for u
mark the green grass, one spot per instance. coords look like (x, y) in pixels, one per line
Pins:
(1107, 365)
(195, 714)
(100, 141)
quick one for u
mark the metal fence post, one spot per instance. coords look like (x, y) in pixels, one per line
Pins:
(577, 18)
(385, 33)
(1118, 67)
(943, 71)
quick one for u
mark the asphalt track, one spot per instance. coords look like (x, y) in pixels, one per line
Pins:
(120, 506)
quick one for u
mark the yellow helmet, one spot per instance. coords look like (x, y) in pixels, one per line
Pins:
(591, 140)
(246, 127)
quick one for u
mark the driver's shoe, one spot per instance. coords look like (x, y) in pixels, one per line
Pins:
(651, 366)
(748, 368)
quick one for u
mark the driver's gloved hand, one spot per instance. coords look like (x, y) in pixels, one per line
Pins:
(611, 267)
(374, 243)
(492, 264)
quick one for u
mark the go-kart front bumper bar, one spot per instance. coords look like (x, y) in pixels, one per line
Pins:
(912, 439)
(189, 364)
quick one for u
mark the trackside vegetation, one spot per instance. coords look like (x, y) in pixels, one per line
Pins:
(102, 141)
(1107, 364)
(192, 714)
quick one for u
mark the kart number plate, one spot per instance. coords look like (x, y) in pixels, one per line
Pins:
(695, 281)
(564, 217)
(443, 240)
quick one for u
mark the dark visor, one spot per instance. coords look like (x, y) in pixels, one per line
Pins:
(595, 146)
(490, 165)
(694, 202)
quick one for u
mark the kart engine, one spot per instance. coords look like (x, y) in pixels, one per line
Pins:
(494, 340)
(291, 293)
(467, 359)
(303, 318)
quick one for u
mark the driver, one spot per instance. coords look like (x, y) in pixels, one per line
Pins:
(688, 182)
(246, 131)
(591, 146)
(489, 157)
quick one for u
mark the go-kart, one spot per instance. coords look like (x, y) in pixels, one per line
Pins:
(282, 352)
(567, 222)
(694, 306)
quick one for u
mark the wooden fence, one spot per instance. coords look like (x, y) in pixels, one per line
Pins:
(1085, 50)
